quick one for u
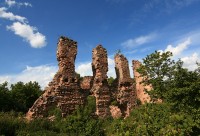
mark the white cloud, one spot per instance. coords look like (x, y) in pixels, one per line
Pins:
(21, 27)
(42, 74)
(27, 4)
(10, 16)
(29, 33)
(179, 48)
(194, 37)
(111, 67)
(11, 3)
(130, 43)
(5, 79)
(84, 69)
(130, 52)
(190, 61)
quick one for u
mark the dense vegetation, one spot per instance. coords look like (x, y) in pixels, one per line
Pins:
(178, 114)
(19, 97)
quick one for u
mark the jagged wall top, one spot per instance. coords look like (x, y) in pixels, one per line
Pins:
(99, 63)
(64, 44)
(66, 55)
(122, 68)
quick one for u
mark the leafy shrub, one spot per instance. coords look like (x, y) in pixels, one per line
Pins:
(10, 123)
(152, 119)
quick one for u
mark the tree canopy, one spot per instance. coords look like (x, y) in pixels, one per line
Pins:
(19, 97)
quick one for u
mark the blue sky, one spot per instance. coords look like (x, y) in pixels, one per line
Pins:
(29, 31)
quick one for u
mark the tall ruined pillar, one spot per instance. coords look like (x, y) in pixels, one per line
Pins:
(126, 90)
(140, 88)
(63, 92)
(100, 85)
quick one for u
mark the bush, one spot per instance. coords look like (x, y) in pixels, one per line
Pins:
(10, 123)
(152, 119)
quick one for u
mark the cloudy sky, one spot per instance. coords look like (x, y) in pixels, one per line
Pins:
(29, 31)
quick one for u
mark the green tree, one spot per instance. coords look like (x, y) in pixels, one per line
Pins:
(173, 84)
(184, 93)
(198, 68)
(157, 70)
(5, 97)
(111, 81)
(152, 119)
(24, 95)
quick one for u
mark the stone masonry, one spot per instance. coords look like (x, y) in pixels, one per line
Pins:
(63, 92)
(86, 84)
(100, 87)
(140, 88)
(126, 92)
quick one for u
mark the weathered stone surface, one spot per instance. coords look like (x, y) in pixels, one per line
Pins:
(86, 83)
(126, 91)
(140, 88)
(100, 87)
(63, 92)
(115, 112)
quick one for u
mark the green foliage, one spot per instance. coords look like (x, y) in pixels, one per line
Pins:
(184, 93)
(173, 84)
(115, 103)
(20, 97)
(152, 119)
(39, 133)
(5, 97)
(81, 121)
(198, 68)
(111, 81)
(138, 102)
(78, 77)
(54, 111)
(24, 95)
(157, 70)
(10, 123)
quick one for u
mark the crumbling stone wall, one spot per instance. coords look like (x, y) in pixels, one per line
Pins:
(100, 87)
(63, 92)
(140, 88)
(126, 91)
(86, 84)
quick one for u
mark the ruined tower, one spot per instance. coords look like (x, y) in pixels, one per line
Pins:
(126, 91)
(140, 88)
(100, 85)
(63, 92)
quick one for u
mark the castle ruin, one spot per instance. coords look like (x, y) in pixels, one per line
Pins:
(66, 91)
